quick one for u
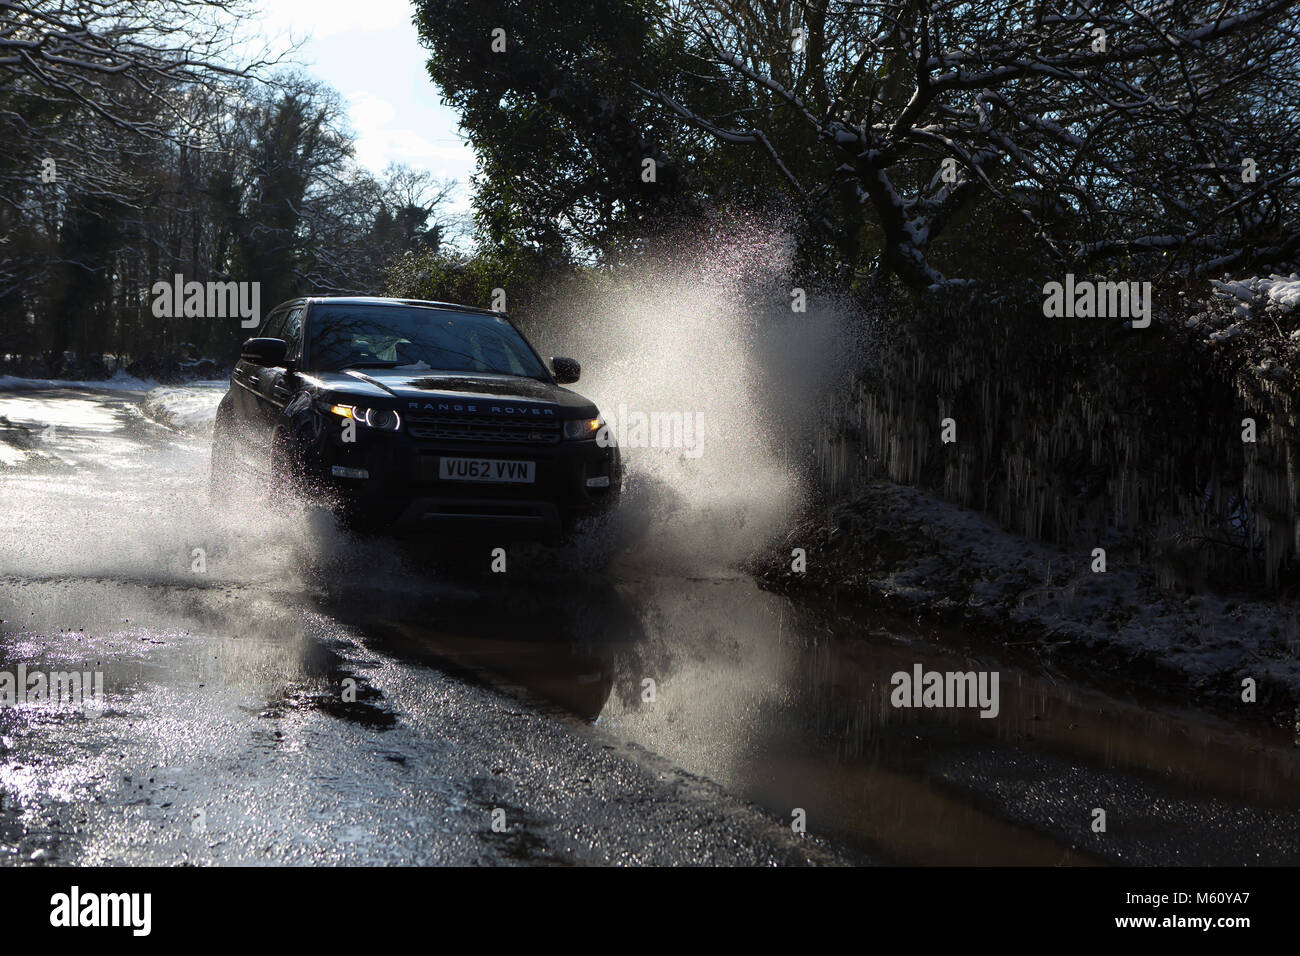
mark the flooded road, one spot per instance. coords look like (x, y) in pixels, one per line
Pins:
(278, 692)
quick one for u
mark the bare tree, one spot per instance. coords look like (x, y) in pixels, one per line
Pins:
(120, 67)
(1113, 129)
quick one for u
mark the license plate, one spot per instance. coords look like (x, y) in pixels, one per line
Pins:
(486, 469)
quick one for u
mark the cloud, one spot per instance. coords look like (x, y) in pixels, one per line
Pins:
(381, 141)
(370, 53)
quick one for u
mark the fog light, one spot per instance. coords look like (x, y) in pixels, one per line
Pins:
(338, 471)
(601, 482)
(383, 419)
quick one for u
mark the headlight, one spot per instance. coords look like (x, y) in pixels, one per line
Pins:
(583, 427)
(380, 419)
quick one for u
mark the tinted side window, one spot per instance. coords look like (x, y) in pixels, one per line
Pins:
(271, 329)
(292, 332)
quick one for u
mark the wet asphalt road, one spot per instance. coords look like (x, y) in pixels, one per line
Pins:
(307, 698)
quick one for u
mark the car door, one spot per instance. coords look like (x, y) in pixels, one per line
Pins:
(248, 377)
(275, 386)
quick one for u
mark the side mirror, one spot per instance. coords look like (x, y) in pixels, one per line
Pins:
(566, 370)
(269, 353)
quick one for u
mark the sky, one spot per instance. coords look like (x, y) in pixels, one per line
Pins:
(368, 51)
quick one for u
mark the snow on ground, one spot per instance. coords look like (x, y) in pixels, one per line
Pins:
(32, 425)
(901, 547)
(119, 382)
(189, 408)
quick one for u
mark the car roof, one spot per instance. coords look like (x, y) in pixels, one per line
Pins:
(383, 300)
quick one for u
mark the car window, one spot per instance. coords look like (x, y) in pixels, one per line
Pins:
(491, 350)
(417, 338)
(292, 332)
(271, 330)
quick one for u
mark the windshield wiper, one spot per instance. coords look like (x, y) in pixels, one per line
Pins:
(344, 368)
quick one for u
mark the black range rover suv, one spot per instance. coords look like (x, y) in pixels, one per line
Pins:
(415, 416)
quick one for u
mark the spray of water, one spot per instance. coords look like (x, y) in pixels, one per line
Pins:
(709, 331)
(113, 497)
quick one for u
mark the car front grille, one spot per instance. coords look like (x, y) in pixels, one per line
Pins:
(481, 428)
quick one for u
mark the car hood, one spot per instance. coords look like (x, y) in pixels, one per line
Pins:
(487, 394)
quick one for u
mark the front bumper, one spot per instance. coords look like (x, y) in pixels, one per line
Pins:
(401, 484)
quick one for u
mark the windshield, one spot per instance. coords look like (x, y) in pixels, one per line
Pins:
(417, 339)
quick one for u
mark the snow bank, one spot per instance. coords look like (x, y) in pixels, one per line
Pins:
(909, 550)
(119, 382)
(189, 408)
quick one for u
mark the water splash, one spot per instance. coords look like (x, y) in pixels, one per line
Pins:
(708, 330)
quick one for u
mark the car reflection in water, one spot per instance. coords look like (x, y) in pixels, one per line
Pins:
(552, 638)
